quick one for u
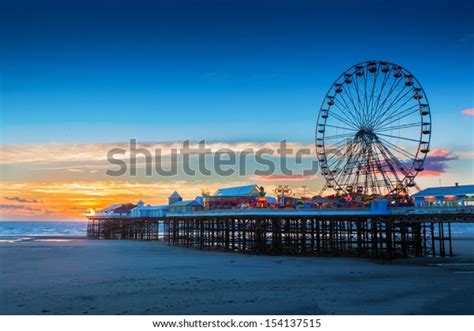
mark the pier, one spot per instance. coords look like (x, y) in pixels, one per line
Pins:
(393, 233)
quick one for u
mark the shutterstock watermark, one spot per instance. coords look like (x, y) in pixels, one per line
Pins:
(199, 158)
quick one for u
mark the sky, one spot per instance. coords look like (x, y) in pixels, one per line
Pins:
(79, 77)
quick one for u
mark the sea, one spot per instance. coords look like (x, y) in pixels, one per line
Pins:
(17, 231)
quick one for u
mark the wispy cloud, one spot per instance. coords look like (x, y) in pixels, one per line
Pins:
(468, 111)
(6, 206)
(74, 153)
(23, 210)
(23, 200)
(286, 177)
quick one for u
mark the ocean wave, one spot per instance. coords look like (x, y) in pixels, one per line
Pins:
(41, 228)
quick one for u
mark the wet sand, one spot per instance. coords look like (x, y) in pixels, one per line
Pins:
(80, 276)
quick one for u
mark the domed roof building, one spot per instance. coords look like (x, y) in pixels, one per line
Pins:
(175, 197)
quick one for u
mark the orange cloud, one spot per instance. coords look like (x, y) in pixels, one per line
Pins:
(469, 111)
(439, 152)
(430, 173)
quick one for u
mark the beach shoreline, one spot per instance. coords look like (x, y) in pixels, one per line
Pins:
(74, 275)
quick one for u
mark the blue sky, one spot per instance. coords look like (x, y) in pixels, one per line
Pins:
(106, 71)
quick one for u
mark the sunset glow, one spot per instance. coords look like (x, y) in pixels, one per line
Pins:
(81, 80)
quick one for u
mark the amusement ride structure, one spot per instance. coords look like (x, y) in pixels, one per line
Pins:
(373, 130)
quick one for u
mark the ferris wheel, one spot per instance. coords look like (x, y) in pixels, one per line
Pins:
(373, 130)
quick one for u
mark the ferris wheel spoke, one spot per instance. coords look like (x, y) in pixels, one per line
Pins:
(398, 137)
(347, 108)
(395, 110)
(346, 111)
(399, 97)
(361, 81)
(395, 114)
(377, 100)
(389, 107)
(338, 146)
(372, 172)
(350, 165)
(370, 177)
(395, 151)
(343, 177)
(354, 113)
(339, 160)
(386, 179)
(400, 150)
(393, 87)
(401, 117)
(341, 142)
(384, 163)
(371, 99)
(389, 112)
(365, 96)
(387, 74)
(335, 148)
(340, 157)
(359, 101)
(351, 98)
(389, 159)
(399, 127)
(396, 160)
(405, 97)
(380, 109)
(340, 127)
(395, 166)
(333, 158)
(342, 119)
(359, 88)
(338, 153)
(337, 136)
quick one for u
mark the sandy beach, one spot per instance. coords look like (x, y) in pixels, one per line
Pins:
(80, 276)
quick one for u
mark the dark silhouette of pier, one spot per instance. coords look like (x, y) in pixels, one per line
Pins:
(397, 233)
